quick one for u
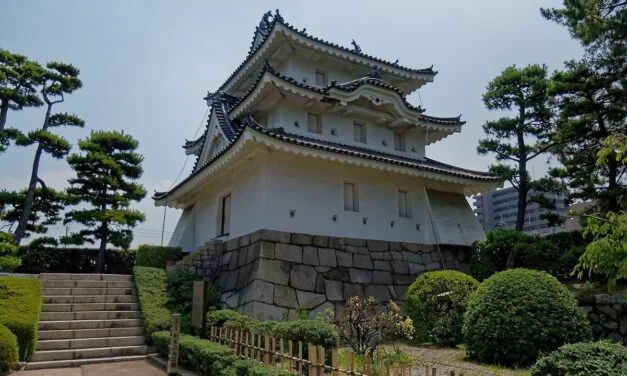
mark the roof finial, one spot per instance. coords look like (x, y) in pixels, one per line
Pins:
(374, 73)
(264, 25)
(395, 62)
(277, 16)
(356, 47)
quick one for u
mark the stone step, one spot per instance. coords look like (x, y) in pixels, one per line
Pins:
(86, 343)
(90, 333)
(98, 352)
(56, 291)
(88, 324)
(85, 277)
(71, 299)
(86, 284)
(76, 307)
(79, 362)
(88, 315)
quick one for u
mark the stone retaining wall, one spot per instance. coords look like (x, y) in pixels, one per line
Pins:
(608, 316)
(271, 274)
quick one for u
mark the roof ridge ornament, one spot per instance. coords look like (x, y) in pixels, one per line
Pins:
(277, 16)
(374, 73)
(356, 47)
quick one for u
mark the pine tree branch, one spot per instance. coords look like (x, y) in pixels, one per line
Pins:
(43, 184)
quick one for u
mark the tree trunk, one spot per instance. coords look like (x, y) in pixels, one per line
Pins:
(523, 185)
(4, 110)
(612, 203)
(102, 251)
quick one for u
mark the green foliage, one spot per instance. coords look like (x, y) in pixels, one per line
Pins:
(8, 349)
(40, 258)
(519, 314)
(314, 332)
(150, 284)
(20, 304)
(252, 368)
(47, 205)
(364, 327)
(199, 355)
(155, 256)
(179, 294)
(106, 172)
(607, 254)
(436, 303)
(583, 359)
(495, 253)
(524, 91)
(8, 249)
(221, 316)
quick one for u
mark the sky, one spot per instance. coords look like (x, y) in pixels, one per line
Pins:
(147, 64)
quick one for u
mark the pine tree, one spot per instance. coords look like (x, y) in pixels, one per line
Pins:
(105, 173)
(46, 210)
(57, 80)
(523, 137)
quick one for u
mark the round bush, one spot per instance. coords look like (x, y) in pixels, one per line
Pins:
(518, 314)
(436, 303)
(583, 359)
(8, 349)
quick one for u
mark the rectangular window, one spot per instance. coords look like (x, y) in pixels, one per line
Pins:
(321, 78)
(404, 208)
(359, 133)
(351, 199)
(314, 125)
(225, 215)
(399, 141)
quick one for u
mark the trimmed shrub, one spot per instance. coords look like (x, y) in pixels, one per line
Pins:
(20, 304)
(155, 256)
(491, 255)
(436, 303)
(39, 259)
(179, 286)
(583, 359)
(252, 368)
(518, 314)
(8, 349)
(8, 250)
(219, 317)
(150, 284)
(199, 355)
(314, 332)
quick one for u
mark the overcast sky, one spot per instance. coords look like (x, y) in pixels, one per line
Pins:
(146, 65)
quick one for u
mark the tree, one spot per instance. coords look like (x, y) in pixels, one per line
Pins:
(592, 100)
(19, 80)
(8, 250)
(105, 174)
(523, 137)
(47, 206)
(57, 80)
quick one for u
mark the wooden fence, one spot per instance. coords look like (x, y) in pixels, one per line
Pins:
(310, 360)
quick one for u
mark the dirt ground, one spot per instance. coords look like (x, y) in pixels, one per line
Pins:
(134, 368)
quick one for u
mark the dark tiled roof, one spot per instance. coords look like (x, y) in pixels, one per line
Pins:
(263, 31)
(355, 151)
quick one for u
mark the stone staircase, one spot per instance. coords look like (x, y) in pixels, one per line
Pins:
(88, 318)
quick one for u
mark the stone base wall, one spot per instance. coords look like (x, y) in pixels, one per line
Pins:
(271, 274)
(608, 316)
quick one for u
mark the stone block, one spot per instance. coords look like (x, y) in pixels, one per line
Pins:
(447, 255)
(303, 277)
(344, 259)
(231, 282)
(302, 239)
(234, 260)
(265, 312)
(362, 261)
(400, 267)
(310, 255)
(351, 290)
(398, 256)
(381, 277)
(377, 245)
(288, 252)
(360, 275)
(322, 269)
(266, 249)
(253, 252)
(403, 279)
(274, 271)
(395, 246)
(260, 291)
(271, 236)
(338, 274)
(285, 297)
(352, 249)
(231, 245)
(392, 292)
(226, 258)
(379, 292)
(412, 257)
(382, 265)
(309, 300)
(377, 255)
(244, 240)
(326, 257)
(337, 243)
(607, 310)
(416, 269)
(333, 290)
(363, 250)
(233, 301)
(319, 283)
(412, 247)
(241, 256)
(355, 242)
(623, 326)
(433, 266)
(321, 241)
(401, 291)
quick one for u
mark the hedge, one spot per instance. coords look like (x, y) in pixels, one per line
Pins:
(584, 359)
(38, 260)
(155, 256)
(253, 368)
(8, 349)
(20, 304)
(199, 355)
(179, 286)
(150, 284)
(436, 303)
(518, 314)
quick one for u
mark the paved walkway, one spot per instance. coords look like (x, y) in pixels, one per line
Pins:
(134, 368)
